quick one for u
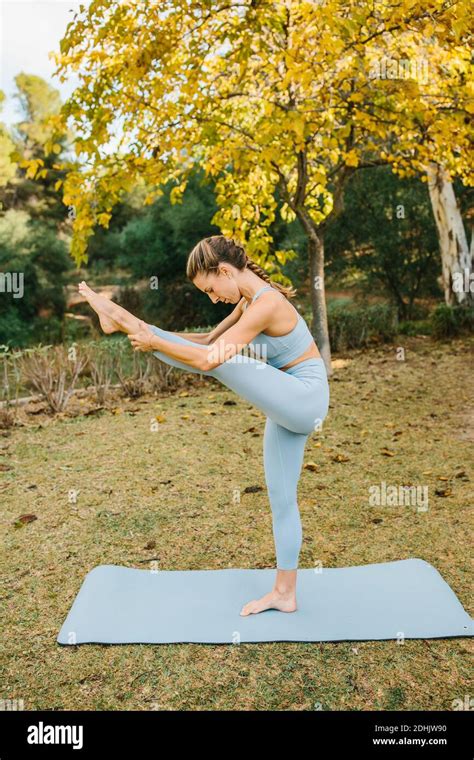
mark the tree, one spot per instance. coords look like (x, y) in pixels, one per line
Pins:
(385, 242)
(32, 147)
(456, 257)
(7, 166)
(288, 97)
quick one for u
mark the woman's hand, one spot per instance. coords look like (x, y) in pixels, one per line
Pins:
(142, 340)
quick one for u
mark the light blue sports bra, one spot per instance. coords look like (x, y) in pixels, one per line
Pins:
(282, 349)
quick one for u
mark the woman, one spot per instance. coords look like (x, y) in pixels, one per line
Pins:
(291, 388)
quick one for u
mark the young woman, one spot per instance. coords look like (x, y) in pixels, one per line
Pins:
(289, 385)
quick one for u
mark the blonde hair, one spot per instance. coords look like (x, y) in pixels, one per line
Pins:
(217, 249)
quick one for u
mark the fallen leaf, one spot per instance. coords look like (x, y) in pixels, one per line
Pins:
(252, 489)
(340, 458)
(24, 519)
(443, 491)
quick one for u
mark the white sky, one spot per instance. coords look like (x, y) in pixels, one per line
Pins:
(29, 29)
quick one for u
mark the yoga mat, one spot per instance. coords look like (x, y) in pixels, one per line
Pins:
(388, 600)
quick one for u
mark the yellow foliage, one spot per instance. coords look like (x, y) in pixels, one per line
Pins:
(253, 98)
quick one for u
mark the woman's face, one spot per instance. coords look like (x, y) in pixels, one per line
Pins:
(219, 285)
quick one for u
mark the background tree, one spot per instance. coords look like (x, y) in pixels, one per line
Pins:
(34, 226)
(7, 146)
(385, 242)
(288, 97)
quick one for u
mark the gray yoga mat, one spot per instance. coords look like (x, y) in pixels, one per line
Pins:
(388, 600)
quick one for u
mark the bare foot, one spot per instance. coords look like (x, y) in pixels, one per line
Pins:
(107, 323)
(272, 601)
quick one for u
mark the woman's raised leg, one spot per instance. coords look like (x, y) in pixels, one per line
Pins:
(112, 317)
(264, 386)
(286, 399)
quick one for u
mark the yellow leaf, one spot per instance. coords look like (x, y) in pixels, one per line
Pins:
(104, 219)
(340, 458)
(351, 158)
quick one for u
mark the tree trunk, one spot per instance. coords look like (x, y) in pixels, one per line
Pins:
(319, 326)
(456, 258)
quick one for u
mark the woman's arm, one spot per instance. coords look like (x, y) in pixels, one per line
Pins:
(146, 340)
(195, 357)
(206, 339)
(202, 338)
(226, 323)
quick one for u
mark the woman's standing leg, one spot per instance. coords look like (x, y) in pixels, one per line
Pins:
(283, 455)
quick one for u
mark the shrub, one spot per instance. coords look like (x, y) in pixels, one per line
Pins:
(10, 387)
(132, 369)
(53, 371)
(352, 326)
(450, 321)
(410, 327)
(101, 363)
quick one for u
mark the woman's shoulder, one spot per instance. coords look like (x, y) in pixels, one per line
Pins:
(265, 296)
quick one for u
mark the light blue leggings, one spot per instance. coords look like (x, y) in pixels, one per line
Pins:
(296, 402)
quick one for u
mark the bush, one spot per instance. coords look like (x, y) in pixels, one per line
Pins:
(353, 327)
(101, 366)
(450, 321)
(382, 321)
(53, 372)
(410, 327)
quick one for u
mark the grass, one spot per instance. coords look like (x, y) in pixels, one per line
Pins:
(167, 495)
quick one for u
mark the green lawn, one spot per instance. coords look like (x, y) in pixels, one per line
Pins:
(169, 496)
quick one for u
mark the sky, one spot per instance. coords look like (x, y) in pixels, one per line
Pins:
(29, 29)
